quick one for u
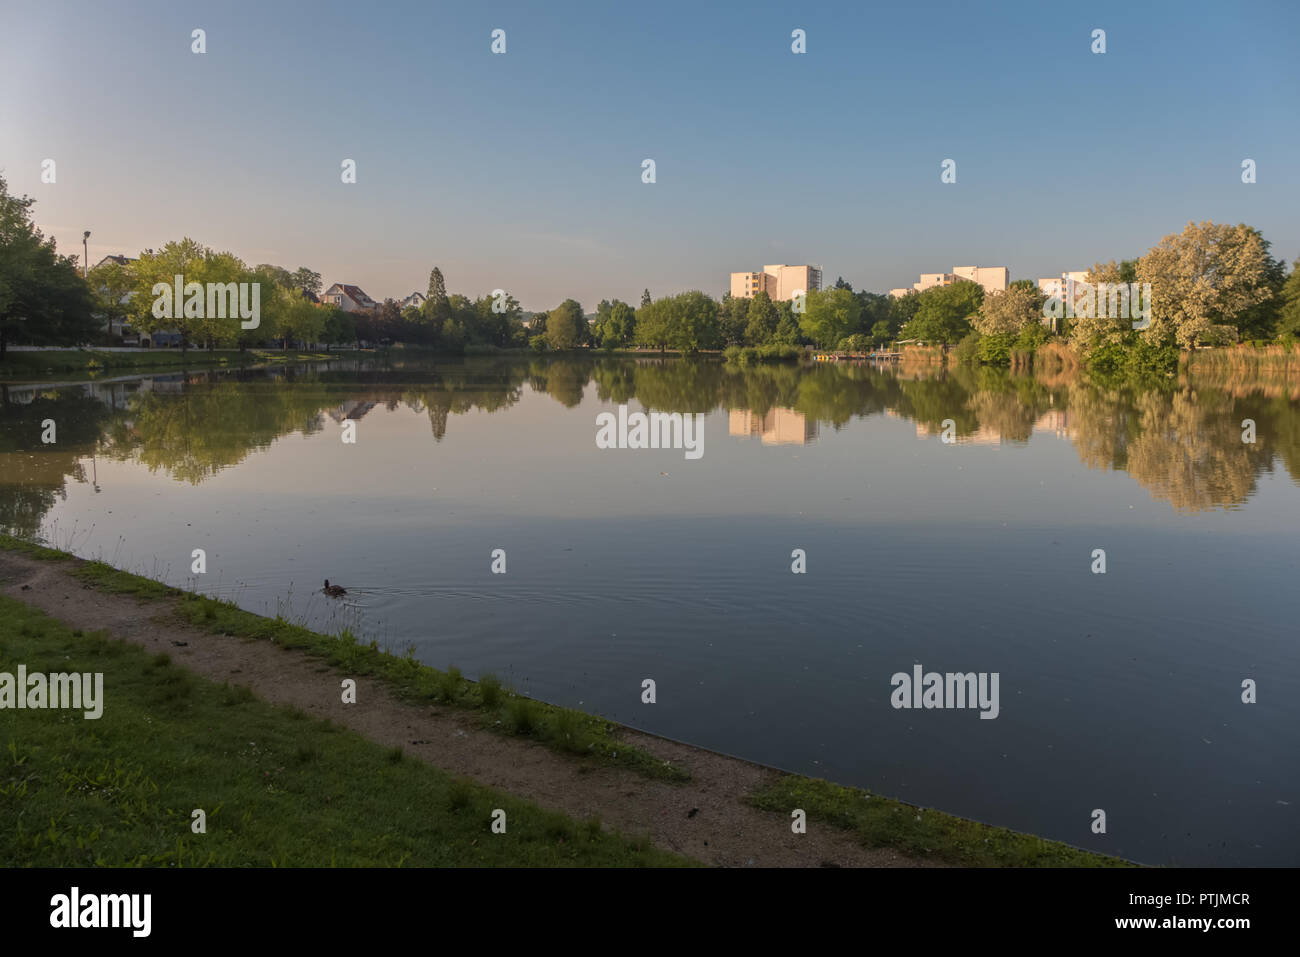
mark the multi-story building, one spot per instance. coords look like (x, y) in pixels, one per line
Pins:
(1055, 285)
(780, 282)
(931, 279)
(992, 278)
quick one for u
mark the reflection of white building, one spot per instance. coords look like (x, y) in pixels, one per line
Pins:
(777, 427)
(1056, 421)
(981, 436)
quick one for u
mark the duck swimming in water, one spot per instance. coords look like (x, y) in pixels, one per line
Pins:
(334, 591)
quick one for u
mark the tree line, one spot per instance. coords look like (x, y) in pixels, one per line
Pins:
(1211, 284)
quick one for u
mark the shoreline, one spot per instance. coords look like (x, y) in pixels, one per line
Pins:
(710, 807)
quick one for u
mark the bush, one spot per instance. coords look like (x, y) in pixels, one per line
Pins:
(1032, 336)
(996, 350)
(489, 687)
(523, 716)
(772, 352)
(968, 349)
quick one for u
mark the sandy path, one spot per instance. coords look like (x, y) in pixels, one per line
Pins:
(723, 831)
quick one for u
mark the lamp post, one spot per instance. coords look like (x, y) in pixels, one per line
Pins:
(85, 247)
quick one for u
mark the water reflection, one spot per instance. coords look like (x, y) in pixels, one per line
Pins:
(1181, 440)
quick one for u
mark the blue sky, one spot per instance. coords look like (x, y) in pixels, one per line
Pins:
(523, 170)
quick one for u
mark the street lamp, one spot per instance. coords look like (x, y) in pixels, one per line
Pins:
(85, 247)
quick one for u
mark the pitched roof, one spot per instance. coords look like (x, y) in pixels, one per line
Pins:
(355, 293)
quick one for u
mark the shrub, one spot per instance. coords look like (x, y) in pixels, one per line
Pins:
(996, 350)
(522, 714)
(968, 349)
(449, 685)
(489, 689)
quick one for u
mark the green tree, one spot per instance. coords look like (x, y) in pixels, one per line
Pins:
(111, 283)
(307, 280)
(654, 325)
(617, 329)
(787, 326)
(42, 299)
(903, 309)
(830, 315)
(645, 297)
(1203, 282)
(1288, 322)
(566, 326)
(763, 318)
(185, 258)
(943, 312)
(437, 285)
(1009, 311)
(694, 322)
(733, 317)
(298, 319)
(337, 326)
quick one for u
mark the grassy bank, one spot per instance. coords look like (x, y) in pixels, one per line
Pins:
(88, 363)
(499, 708)
(1247, 358)
(925, 834)
(875, 822)
(278, 787)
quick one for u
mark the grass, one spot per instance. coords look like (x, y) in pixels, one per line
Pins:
(499, 709)
(278, 787)
(19, 366)
(933, 835)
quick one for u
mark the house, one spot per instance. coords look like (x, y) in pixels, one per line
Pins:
(116, 326)
(349, 298)
(415, 300)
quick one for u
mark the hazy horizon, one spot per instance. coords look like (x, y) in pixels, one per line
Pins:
(522, 171)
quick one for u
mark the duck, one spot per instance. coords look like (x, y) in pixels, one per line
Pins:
(334, 591)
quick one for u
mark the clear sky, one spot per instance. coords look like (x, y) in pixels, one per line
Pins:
(523, 170)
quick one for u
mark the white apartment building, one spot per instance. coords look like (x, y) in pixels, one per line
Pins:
(780, 282)
(1055, 285)
(992, 278)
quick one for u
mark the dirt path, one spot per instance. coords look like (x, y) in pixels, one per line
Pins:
(723, 831)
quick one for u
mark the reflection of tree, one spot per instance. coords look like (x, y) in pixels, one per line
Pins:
(1005, 404)
(930, 401)
(1181, 443)
(564, 379)
(197, 432)
(33, 474)
(679, 385)
(1188, 449)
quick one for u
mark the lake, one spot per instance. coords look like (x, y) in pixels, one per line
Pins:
(1120, 691)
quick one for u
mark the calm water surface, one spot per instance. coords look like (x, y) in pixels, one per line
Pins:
(1119, 691)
